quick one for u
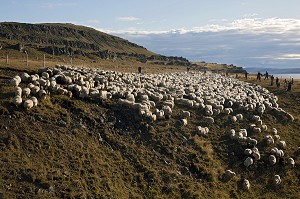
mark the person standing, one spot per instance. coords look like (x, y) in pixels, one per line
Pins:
(285, 84)
(272, 80)
(277, 82)
(267, 75)
(289, 88)
(258, 76)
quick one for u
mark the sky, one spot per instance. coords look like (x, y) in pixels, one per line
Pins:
(255, 34)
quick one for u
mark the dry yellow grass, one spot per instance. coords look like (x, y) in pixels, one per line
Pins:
(103, 150)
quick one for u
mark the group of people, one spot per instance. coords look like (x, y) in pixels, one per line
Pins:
(286, 84)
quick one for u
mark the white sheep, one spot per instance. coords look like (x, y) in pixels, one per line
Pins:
(280, 153)
(255, 150)
(18, 91)
(232, 134)
(183, 122)
(209, 110)
(153, 117)
(216, 111)
(208, 120)
(185, 114)
(35, 90)
(169, 103)
(130, 97)
(227, 111)
(229, 174)
(264, 128)
(25, 77)
(276, 137)
(256, 129)
(291, 162)
(28, 104)
(248, 161)
(248, 152)
(84, 92)
(246, 184)
(34, 100)
(15, 81)
(243, 132)
(272, 159)
(45, 75)
(239, 117)
(34, 77)
(251, 141)
(167, 111)
(233, 119)
(274, 151)
(282, 144)
(276, 179)
(159, 114)
(26, 92)
(202, 130)
(259, 122)
(103, 95)
(42, 94)
(256, 155)
(256, 118)
(251, 126)
(17, 100)
(270, 140)
(229, 104)
(274, 131)
(261, 109)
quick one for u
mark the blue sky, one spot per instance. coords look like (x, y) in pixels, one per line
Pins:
(249, 33)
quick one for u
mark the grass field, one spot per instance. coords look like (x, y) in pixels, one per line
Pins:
(72, 148)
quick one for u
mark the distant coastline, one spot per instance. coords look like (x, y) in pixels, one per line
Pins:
(287, 76)
(287, 73)
(283, 71)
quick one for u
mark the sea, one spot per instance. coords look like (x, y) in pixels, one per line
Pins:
(287, 73)
(287, 76)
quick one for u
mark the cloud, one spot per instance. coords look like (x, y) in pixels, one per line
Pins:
(250, 15)
(244, 25)
(289, 57)
(56, 5)
(93, 21)
(129, 18)
(248, 42)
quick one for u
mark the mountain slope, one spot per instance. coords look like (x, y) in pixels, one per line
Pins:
(68, 35)
(72, 40)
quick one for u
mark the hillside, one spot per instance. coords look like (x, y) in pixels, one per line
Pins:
(68, 40)
(85, 148)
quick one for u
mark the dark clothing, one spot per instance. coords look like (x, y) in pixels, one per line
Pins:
(267, 75)
(258, 76)
(289, 86)
(272, 80)
(277, 82)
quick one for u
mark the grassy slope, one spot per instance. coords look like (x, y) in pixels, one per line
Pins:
(63, 33)
(101, 149)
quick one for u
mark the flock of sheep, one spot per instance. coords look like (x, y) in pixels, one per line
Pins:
(154, 97)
